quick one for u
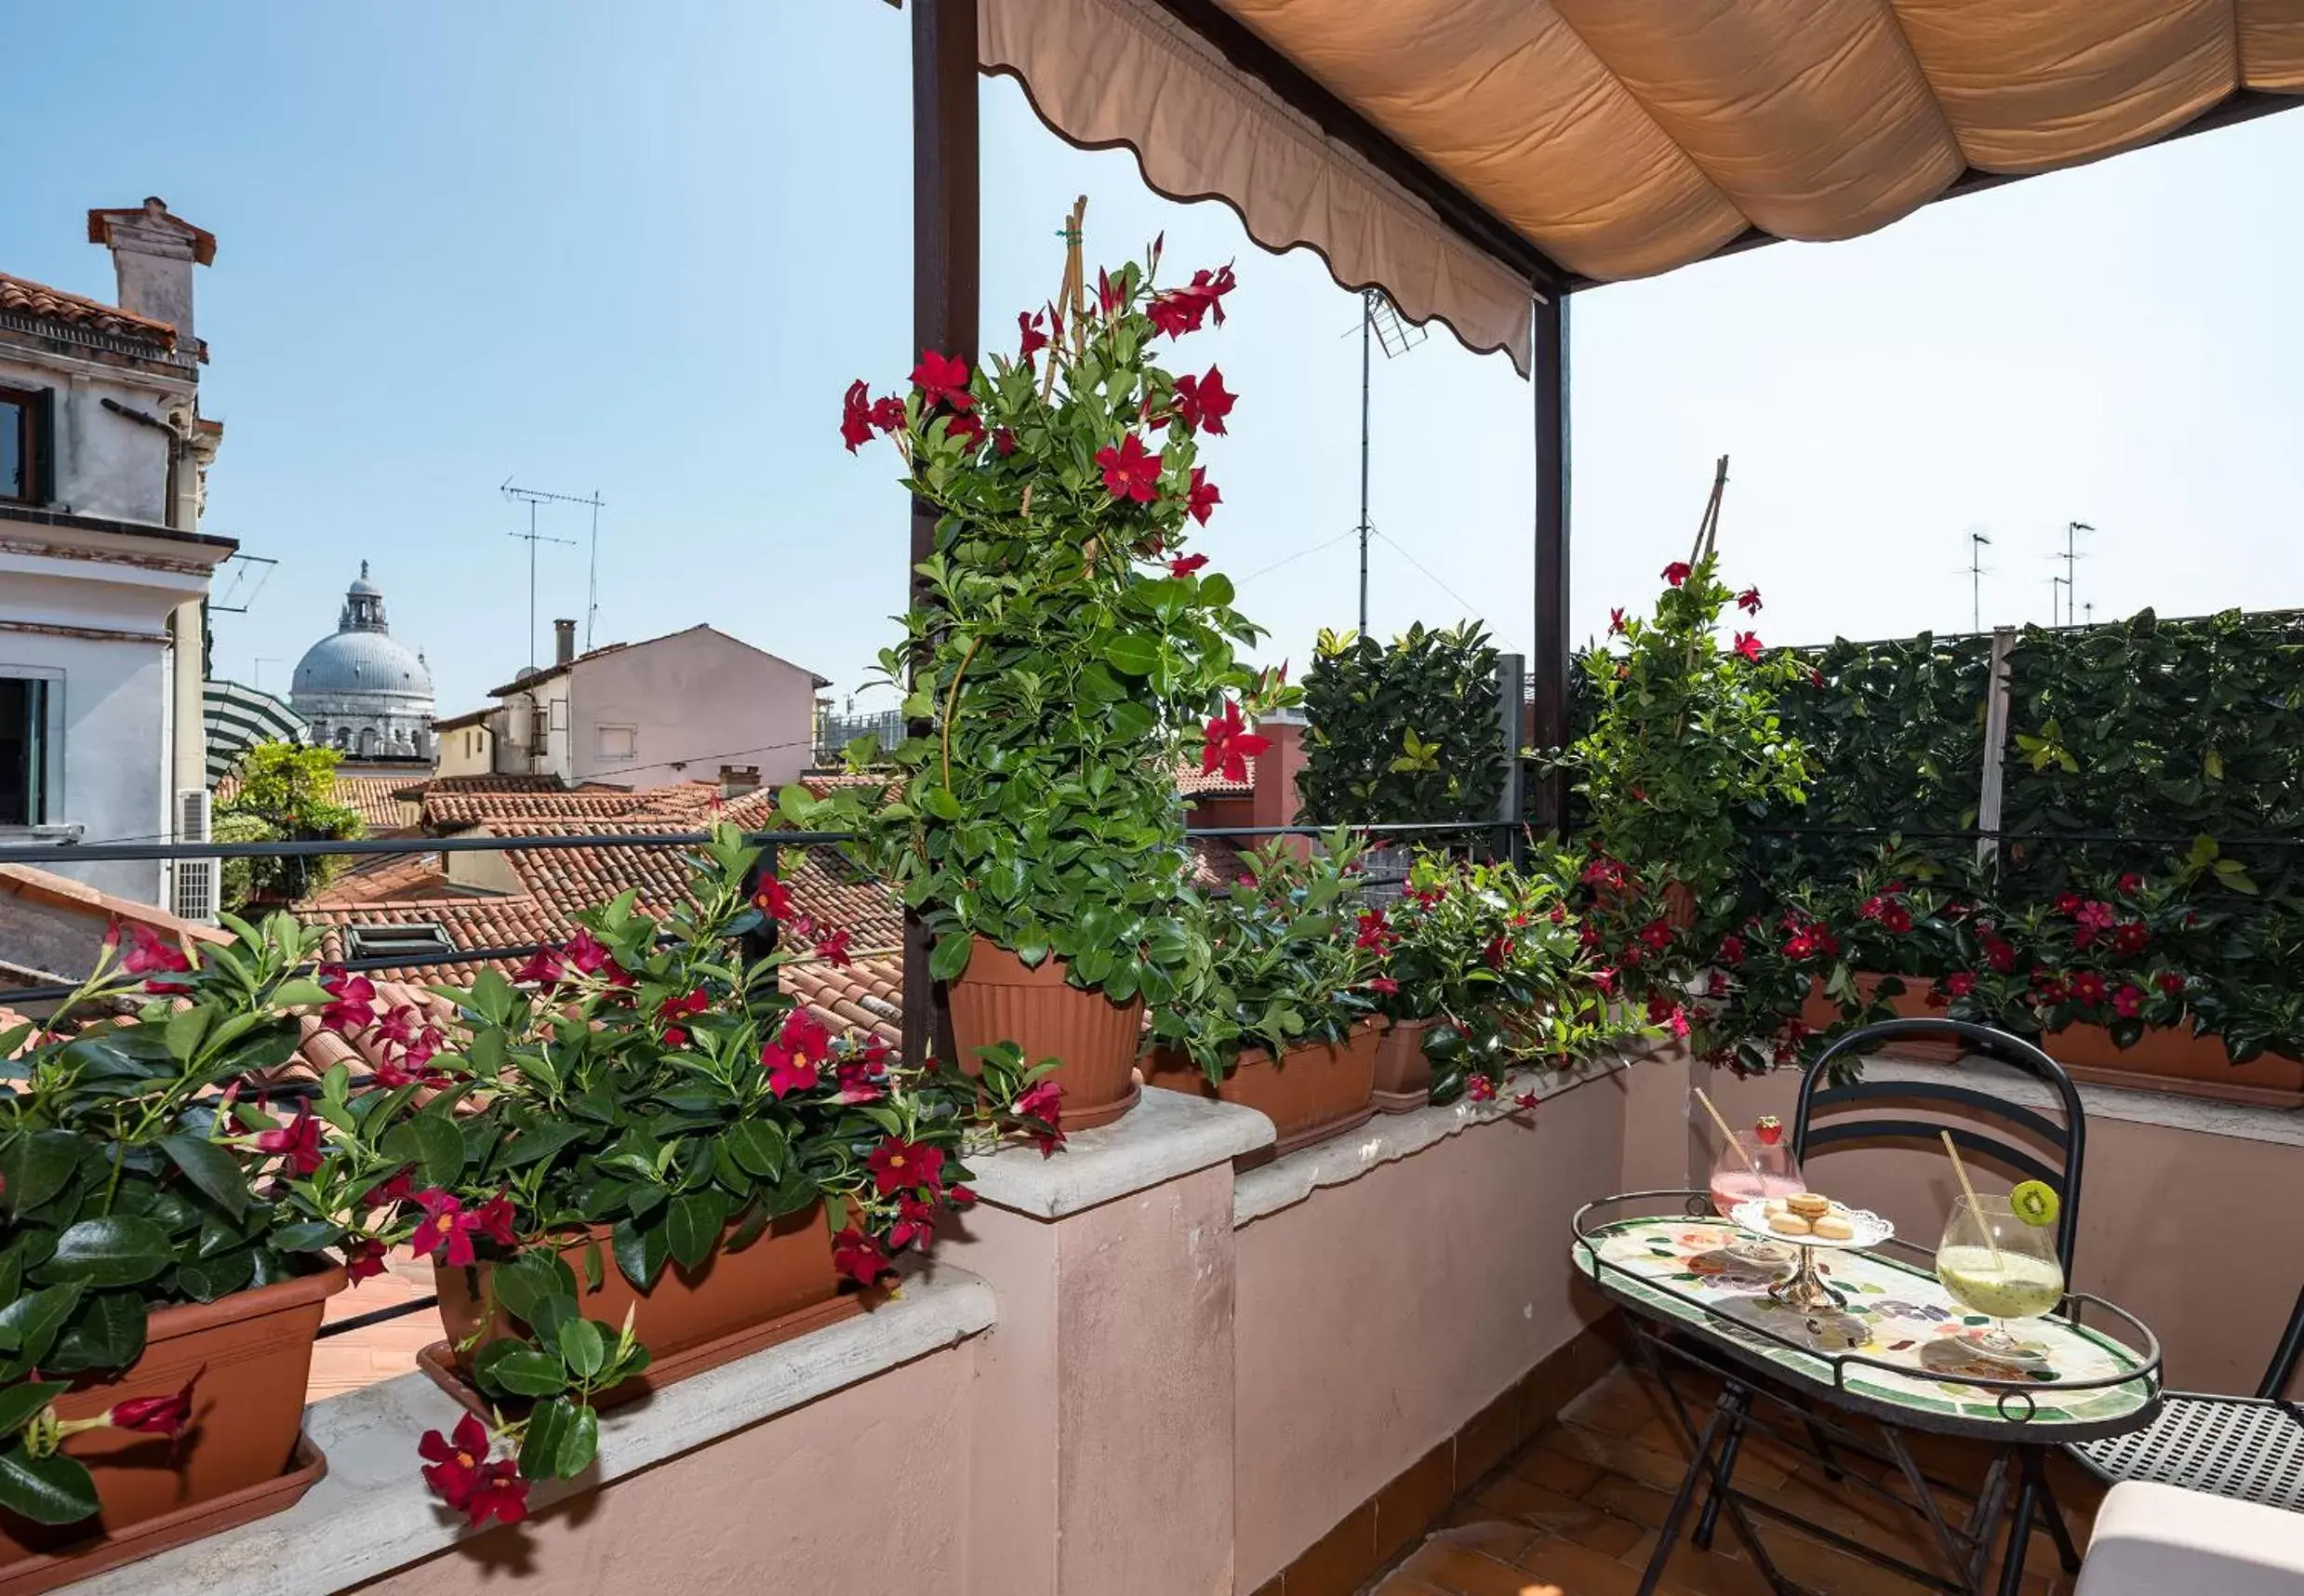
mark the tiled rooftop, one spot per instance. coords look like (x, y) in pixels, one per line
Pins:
(1192, 783)
(25, 298)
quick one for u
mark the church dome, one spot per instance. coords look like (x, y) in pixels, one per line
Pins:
(362, 662)
(362, 690)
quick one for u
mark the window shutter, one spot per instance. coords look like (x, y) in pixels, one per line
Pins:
(44, 447)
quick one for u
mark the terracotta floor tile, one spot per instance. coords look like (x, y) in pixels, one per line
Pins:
(1546, 1464)
(1459, 1571)
(1619, 1455)
(1579, 1571)
(1642, 1505)
(1500, 1539)
(1711, 1572)
(1410, 1505)
(1400, 1585)
(1515, 1498)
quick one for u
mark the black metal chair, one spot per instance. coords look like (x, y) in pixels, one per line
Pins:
(2248, 1448)
(2066, 1144)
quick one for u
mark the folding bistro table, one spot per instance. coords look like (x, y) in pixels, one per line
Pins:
(1896, 1355)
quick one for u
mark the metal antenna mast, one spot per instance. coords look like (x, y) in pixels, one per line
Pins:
(2072, 529)
(532, 537)
(533, 497)
(1977, 543)
(1378, 324)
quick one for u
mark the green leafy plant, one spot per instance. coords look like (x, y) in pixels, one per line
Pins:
(137, 1178)
(644, 1097)
(1065, 652)
(1685, 746)
(1405, 732)
(1288, 958)
(285, 793)
(1492, 954)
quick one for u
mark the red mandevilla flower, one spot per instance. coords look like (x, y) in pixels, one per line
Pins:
(1616, 623)
(1030, 339)
(1004, 442)
(1201, 402)
(461, 1474)
(1748, 645)
(1525, 1101)
(900, 1165)
(165, 1415)
(1384, 984)
(352, 1001)
(297, 1142)
(792, 1058)
(1228, 745)
(1498, 951)
(2088, 987)
(833, 947)
(2171, 983)
(942, 380)
(1749, 601)
(1130, 472)
(1960, 983)
(1179, 311)
(363, 1258)
(773, 899)
(856, 416)
(1044, 1102)
(543, 968)
(859, 1256)
(1480, 1089)
(587, 954)
(148, 954)
(2127, 1002)
(1202, 497)
(1187, 565)
(1677, 572)
(1375, 932)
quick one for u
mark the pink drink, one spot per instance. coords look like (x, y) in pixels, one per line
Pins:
(1737, 1185)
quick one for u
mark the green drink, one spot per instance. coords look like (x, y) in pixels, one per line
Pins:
(2012, 1284)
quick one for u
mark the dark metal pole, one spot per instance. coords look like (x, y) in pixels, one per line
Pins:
(1548, 667)
(1368, 318)
(946, 215)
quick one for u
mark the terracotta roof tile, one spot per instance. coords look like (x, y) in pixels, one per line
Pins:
(1193, 784)
(26, 298)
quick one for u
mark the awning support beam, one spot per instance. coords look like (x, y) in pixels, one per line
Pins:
(1550, 665)
(947, 222)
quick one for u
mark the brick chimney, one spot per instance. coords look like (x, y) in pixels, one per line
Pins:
(1275, 801)
(153, 255)
(563, 642)
(737, 780)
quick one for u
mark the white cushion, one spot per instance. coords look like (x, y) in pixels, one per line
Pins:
(2151, 1540)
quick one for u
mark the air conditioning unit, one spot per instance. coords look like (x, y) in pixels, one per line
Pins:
(196, 882)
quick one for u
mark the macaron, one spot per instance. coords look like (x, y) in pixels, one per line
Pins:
(1833, 1227)
(1789, 1225)
(1808, 1205)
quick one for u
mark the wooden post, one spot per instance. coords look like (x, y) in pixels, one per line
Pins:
(1548, 667)
(1995, 744)
(946, 217)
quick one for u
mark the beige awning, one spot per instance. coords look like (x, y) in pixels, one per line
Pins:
(1625, 138)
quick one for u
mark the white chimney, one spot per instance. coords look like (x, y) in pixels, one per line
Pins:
(153, 255)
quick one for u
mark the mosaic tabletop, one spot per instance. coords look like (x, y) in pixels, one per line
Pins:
(1700, 1275)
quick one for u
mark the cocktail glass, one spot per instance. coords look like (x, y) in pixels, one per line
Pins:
(1996, 1263)
(1734, 1181)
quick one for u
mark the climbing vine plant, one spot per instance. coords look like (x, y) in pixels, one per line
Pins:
(1405, 731)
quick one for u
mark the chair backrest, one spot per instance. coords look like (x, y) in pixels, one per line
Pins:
(2067, 1142)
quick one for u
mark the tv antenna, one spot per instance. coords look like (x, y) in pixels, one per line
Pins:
(2071, 556)
(1977, 543)
(243, 567)
(532, 537)
(2054, 583)
(1379, 323)
(534, 497)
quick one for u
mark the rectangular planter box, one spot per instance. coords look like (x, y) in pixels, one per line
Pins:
(1314, 1091)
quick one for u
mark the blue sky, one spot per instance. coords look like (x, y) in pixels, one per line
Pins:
(641, 250)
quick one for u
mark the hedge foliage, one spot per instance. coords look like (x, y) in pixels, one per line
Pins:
(1401, 732)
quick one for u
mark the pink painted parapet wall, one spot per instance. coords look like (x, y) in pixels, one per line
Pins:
(862, 1491)
(2200, 1234)
(1375, 1317)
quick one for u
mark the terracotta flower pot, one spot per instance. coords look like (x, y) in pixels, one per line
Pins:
(1822, 1014)
(1314, 1091)
(1404, 1076)
(782, 1281)
(1678, 906)
(252, 1352)
(2170, 1058)
(998, 999)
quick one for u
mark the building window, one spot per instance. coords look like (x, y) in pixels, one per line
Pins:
(24, 753)
(421, 939)
(27, 434)
(620, 743)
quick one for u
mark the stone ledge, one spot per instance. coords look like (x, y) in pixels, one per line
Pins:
(1166, 1135)
(371, 1513)
(2207, 1116)
(1288, 1182)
